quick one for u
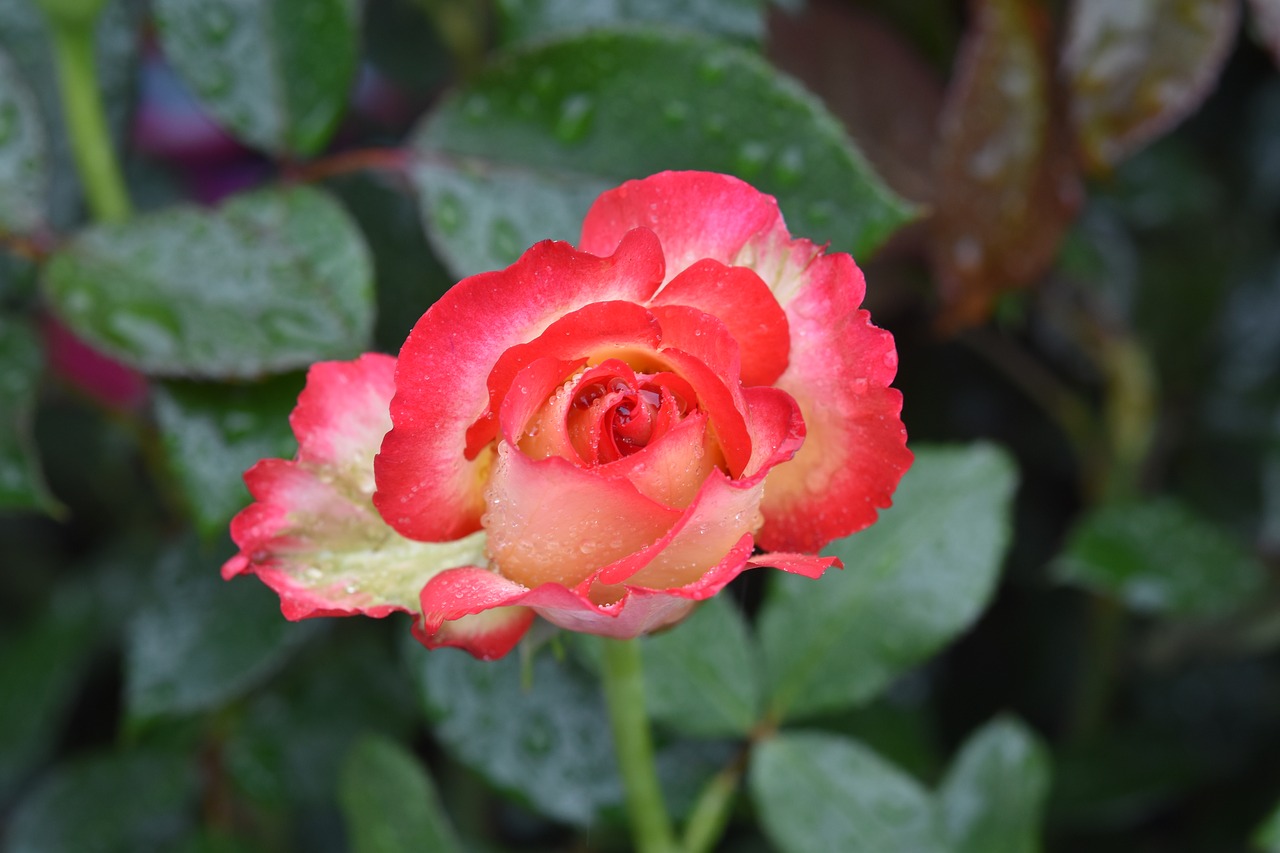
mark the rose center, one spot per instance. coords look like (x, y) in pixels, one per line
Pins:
(614, 417)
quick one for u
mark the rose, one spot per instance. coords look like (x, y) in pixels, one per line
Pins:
(602, 436)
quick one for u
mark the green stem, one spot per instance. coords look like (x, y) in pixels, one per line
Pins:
(86, 122)
(711, 812)
(624, 693)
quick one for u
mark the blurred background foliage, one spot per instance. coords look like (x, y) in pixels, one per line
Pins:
(1064, 636)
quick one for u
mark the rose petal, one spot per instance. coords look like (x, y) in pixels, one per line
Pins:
(743, 302)
(312, 534)
(487, 635)
(427, 488)
(696, 215)
(550, 521)
(595, 331)
(777, 428)
(672, 469)
(809, 565)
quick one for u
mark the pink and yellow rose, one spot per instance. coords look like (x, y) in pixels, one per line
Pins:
(601, 435)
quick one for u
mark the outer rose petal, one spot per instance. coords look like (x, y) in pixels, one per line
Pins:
(313, 535)
(840, 365)
(465, 591)
(487, 635)
(427, 488)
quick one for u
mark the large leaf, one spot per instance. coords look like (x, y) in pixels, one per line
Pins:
(993, 795)
(1136, 69)
(547, 741)
(133, 801)
(820, 792)
(390, 803)
(528, 20)
(518, 155)
(1159, 557)
(911, 583)
(21, 483)
(213, 433)
(269, 282)
(275, 72)
(1006, 183)
(701, 677)
(24, 156)
(1267, 838)
(199, 641)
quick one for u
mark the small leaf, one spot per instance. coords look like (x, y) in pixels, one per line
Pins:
(912, 582)
(21, 363)
(820, 792)
(1159, 557)
(270, 282)
(993, 795)
(531, 20)
(1267, 838)
(134, 801)
(547, 742)
(1137, 69)
(213, 433)
(390, 803)
(275, 72)
(701, 677)
(24, 155)
(519, 155)
(200, 641)
(1007, 186)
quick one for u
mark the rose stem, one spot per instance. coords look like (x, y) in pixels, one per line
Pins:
(72, 26)
(624, 694)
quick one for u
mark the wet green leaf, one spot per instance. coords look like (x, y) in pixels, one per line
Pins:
(21, 365)
(820, 792)
(518, 155)
(276, 73)
(993, 796)
(1159, 557)
(1267, 838)
(133, 801)
(24, 155)
(912, 582)
(271, 281)
(530, 20)
(213, 433)
(1137, 69)
(390, 803)
(547, 741)
(701, 677)
(199, 641)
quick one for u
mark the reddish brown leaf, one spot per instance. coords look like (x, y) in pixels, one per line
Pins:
(886, 95)
(1138, 67)
(1007, 183)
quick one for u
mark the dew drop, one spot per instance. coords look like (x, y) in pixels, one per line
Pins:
(352, 589)
(574, 121)
(790, 166)
(751, 159)
(504, 242)
(675, 112)
(448, 213)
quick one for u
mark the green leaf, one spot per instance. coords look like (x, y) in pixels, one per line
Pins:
(1159, 557)
(518, 155)
(24, 155)
(135, 801)
(269, 282)
(1136, 70)
(547, 741)
(820, 792)
(993, 797)
(200, 641)
(287, 749)
(1267, 838)
(701, 676)
(531, 20)
(42, 662)
(390, 803)
(213, 433)
(276, 73)
(912, 582)
(21, 483)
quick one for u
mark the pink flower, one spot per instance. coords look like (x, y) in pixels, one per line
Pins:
(602, 436)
